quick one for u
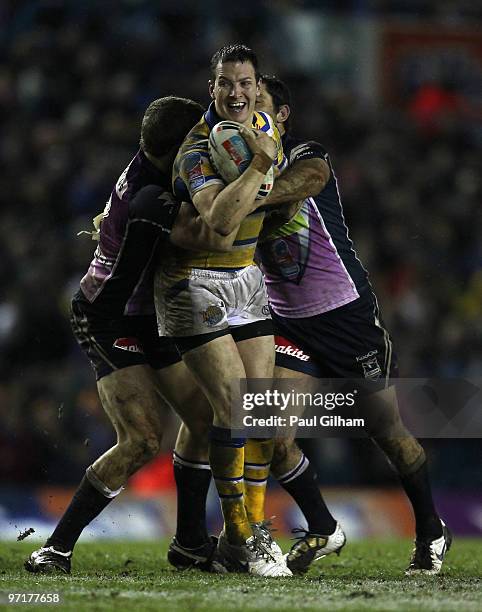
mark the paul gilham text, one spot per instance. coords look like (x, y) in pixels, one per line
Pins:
(332, 420)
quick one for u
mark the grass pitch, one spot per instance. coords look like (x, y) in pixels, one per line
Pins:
(367, 576)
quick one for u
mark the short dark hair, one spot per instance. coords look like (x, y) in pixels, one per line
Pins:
(234, 53)
(166, 122)
(280, 93)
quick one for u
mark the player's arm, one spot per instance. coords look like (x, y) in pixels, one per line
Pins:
(224, 207)
(191, 232)
(278, 217)
(306, 176)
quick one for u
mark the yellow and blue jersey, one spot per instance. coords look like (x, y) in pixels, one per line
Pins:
(193, 171)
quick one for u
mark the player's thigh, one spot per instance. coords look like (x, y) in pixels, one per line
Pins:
(181, 391)
(283, 373)
(108, 345)
(258, 356)
(294, 383)
(132, 399)
(217, 367)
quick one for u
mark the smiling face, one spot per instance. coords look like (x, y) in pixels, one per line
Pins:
(234, 91)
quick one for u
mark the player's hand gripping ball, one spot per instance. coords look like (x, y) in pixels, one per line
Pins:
(230, 155)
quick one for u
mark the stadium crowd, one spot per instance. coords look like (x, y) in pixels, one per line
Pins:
(73, 88)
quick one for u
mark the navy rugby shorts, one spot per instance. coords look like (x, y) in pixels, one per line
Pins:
(347, 342)
(119, 343)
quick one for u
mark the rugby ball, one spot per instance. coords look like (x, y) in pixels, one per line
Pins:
(230, 155)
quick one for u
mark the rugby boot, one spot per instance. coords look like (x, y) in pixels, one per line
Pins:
(428, 555)
(253, 557)
(204, 557)
(264, 531)
(313, 546)
(48, 560)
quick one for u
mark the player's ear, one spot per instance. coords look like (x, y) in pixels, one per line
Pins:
(211, 89)
(283, 113)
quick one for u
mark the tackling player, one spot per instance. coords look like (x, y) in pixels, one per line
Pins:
(138, 374)
(323, 304)
(215, 305)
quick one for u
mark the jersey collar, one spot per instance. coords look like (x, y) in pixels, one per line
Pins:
(211, 117)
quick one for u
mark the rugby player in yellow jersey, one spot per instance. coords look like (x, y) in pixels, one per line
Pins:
(215, 306)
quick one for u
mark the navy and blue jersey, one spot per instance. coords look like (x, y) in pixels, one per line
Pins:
(310, 265)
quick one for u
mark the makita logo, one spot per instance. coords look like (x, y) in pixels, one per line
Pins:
(292, 351)
(128, 344)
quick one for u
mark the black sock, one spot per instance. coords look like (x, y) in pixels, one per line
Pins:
(192, 490)
(417, 488)
(304, 489)
(86, 504)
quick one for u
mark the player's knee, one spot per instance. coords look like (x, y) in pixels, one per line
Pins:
(280, 452)
(198, 428)
(141, 447)
(382, 418)
(405, 454)
(283, 453)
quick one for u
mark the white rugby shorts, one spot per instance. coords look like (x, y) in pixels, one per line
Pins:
(209, 301)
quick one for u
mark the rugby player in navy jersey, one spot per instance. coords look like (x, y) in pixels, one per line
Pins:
(215, 306)
(323, 307)
(138, 374)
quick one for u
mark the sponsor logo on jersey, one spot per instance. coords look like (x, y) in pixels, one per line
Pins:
(193, 168)
(285, 347)
(288, 268)
(128, 344)
(371, 368)
(366, 356)
(212, 315)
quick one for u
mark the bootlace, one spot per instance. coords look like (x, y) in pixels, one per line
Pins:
(265, 529)
(305, 534)
(258, 547)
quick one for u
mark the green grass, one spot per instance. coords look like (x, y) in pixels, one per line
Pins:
(135, 576)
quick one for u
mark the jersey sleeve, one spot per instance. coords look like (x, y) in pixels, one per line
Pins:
(307, 150)
(154, 204)
(196, 170)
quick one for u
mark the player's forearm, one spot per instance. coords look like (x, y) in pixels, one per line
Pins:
(304, 179)
(210, 240)
(191, 232)
(235, 201)
(279, 217)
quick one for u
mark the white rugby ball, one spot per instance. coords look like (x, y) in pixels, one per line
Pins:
(230, 155)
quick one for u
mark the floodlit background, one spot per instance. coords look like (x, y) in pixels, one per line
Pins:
(394, 92)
